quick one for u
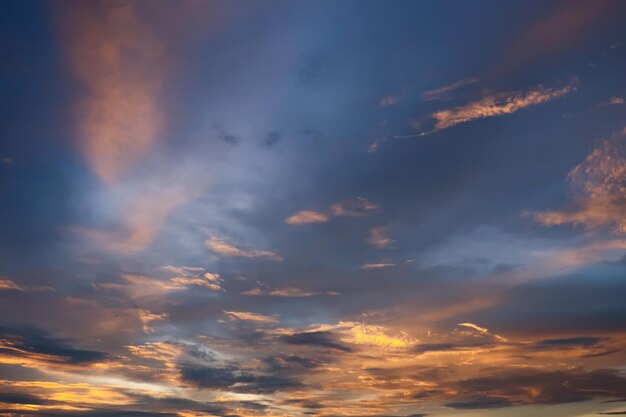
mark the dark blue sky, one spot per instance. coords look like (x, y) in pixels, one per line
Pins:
(292, 208)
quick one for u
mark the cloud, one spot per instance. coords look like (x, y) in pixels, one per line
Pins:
(186, 278)
(528, 386)
(443, 93)
(379, 237)
(223, 248)
(305, 217)
(254, 317)
(317, 338)
(347, 208)
(29, 346)
(284, 292)
(599, 185)
(497, 105)
(475, 327)
(353, 208)
(380, 265)
(147, 318)
(493, 106)
(230, 378)
(143, 210)
(118, 58)
(388, 101)
(480, 403)
(194, 276)
(10, 285)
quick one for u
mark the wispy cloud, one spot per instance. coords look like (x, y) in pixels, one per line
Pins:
(348, 208)
(248, 316)
(223, 248)
(388, 101)
(379, 237)
(263, 290)
(493, 106)
(599, 190)
(306, 217)
(147, 317)
(497, 105)
(7, 284)
(379, 265)
(117, 56)
(442, 93)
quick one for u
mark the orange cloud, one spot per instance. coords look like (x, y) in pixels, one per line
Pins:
(247, 316)
(600, 190)
(305, 217)
(497, 105)
(221, 247)
(121, 63)
(285, 292)
(380, 265)
(379, 237)
(347, 208)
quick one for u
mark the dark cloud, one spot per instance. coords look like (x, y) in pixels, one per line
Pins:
(28, 341)
(320, 338)
(549, 387)
(272, 138)
(228, 138)
(444, 347)
(21, 398)
(234, 379)
(480, 403)
(569, 342)
(291, 363)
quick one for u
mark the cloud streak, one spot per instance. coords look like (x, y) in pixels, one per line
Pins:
(121, 63)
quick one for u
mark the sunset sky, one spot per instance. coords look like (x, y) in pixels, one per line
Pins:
(347, 208)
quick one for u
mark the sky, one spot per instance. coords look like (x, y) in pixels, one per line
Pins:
(312, 208)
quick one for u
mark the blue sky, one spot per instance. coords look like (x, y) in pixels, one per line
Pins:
(291, 208)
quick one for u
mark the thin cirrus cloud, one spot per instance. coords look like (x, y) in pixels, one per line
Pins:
(122, 64)
(379, 237)
(223, 248)
(347, 208)
(493, 106)
(143, 213)
(263, 290)
(599, 189)
(443, 93)
(248, 316)
(380, 265)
